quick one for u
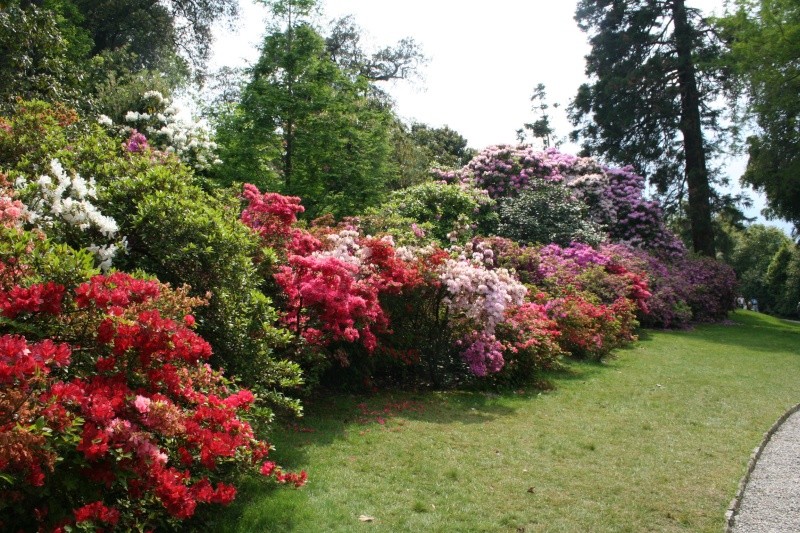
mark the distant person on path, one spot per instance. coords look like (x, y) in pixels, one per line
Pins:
(754, 305)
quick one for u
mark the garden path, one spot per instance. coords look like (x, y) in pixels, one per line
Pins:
(770, 500)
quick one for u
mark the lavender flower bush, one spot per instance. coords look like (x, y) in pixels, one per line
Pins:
(614, 196)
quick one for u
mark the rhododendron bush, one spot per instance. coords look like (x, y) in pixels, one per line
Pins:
(614, 196)
(109, 414)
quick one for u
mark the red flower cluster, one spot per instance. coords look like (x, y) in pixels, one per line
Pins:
(270, 214)
(24, 371)
(637, 287)
(38, 298)
(327, 298)
(326, 302)
(116, 292)
(149, 421)
(592, 330)
(96, 512)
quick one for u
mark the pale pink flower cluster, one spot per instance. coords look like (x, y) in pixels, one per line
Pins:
(142, 404)
(478, 294)
(12, 211)
(483, 353)
(138, 442)
(344, 247)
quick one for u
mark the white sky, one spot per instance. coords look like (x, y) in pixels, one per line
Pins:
(485, 58)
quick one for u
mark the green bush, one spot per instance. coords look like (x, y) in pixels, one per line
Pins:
(453, 212)
(547, 214)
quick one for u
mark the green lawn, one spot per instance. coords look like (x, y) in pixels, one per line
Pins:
(655, 440)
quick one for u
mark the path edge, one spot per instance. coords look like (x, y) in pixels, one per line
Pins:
(733, 508)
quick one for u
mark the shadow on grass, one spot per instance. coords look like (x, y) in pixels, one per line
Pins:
(332, 418)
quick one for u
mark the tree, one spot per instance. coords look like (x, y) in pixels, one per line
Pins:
(752, 254)
(764, 58)
(650, 98)
(783, 280)
(35, 58)
(445, 147)
(309, 123)
(92, 54)
(398, 62)
(154, 31)
(541, 128)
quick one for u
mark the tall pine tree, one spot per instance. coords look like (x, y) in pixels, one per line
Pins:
(647, 102)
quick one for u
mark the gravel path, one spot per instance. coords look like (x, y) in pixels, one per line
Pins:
(770, 501)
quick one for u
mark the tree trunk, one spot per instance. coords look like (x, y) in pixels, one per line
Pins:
(693, 148)
(288, 155)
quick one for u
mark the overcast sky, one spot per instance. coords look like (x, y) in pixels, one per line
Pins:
(484, 59)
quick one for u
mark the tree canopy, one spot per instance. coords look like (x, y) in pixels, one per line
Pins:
(57, 49)
(764, 58)
(648, 102)
(311, 121)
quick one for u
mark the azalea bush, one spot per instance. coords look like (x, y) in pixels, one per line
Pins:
(590, 330)
(530, 340)
(330, 280)
(110, 416)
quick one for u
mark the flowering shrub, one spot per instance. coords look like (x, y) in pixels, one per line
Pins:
(591, 298)
(582, 268)
(712, 287)
(61, 206)
(477, 294)
(503, 171)
(476, 301)
(589, 330)
(157, 124)
(35, 153)
(272, 215)
(109, 415)
(483, 353)
(614, 196)
(330, 283)
(682, 290)
(530, 343)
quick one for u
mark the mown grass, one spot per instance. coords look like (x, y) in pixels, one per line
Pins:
(655, 440)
